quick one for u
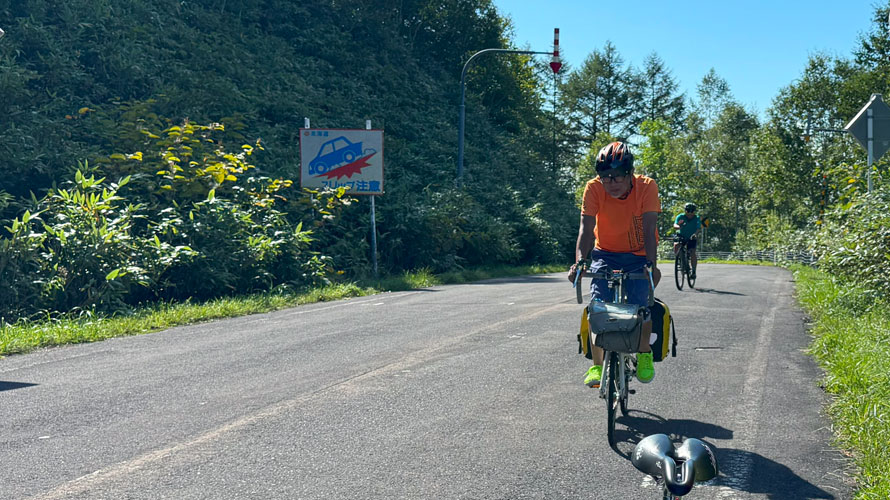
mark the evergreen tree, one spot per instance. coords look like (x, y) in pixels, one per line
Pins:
(660, 99)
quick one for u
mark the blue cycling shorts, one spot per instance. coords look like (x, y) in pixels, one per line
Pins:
(637, 290)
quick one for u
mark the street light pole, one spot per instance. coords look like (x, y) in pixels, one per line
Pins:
(463, 79)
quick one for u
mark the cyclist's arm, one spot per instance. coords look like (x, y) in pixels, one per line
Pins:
(585, 241)
(650, 244)
(697, 232)
(585, 237)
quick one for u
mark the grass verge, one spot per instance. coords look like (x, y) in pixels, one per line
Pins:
(852, 343)
(25, 336)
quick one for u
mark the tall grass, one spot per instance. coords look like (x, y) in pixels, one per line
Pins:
(852, 343)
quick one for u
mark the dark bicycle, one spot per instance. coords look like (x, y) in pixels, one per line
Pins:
(676, 470)
(619, 363)
(682, 266)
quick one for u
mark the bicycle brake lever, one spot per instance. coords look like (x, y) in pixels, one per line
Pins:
(580, 267)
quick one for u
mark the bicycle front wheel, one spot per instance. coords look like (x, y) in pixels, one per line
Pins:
(612, 393)
(579, 293)
(678, 269)
(625, 389)
(689, 278)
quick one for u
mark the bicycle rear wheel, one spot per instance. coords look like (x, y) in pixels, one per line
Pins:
(612, 393)
(678, 268)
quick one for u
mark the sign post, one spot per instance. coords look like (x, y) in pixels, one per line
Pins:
(373, 222)
(344, 158)
(871, 127)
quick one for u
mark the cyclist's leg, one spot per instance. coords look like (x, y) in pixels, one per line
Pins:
(638, 293)
(599, 291)
(601, 260)
(693, 255)
(637, 290)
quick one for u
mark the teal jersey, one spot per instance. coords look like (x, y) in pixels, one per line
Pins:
(691, 226)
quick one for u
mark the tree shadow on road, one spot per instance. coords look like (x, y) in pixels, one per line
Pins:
(535, 278)
(8, 386)
(740, 470)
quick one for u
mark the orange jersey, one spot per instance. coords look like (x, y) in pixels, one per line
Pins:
(619, 223)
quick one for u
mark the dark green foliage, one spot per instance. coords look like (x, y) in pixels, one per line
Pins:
(854, 242)
(186, 222)
(20, 267)
(122, 84)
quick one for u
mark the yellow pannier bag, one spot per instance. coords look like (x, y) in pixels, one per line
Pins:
(584, 337)
(663, 328)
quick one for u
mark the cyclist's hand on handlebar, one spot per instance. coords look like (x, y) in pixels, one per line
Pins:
(573, 271)
(656, 272)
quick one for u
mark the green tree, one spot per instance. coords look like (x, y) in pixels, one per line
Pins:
(713, 94)
(602, 96)
(659, 91)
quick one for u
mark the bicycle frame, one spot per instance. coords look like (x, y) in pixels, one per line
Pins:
(619, 368)
(683, 265)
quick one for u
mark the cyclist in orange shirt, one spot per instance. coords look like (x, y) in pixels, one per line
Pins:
(618, 230)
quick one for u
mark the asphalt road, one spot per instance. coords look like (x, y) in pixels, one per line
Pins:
(463, 391)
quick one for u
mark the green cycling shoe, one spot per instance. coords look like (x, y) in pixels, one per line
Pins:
(645, 369)
(593, 376)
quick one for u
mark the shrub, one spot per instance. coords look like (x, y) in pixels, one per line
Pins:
(854, 242)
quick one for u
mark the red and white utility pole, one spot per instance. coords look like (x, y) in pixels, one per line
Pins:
(555, 62)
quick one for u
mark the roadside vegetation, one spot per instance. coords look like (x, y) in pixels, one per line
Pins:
(852, 343)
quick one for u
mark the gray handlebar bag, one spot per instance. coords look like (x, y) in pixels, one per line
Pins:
(616, 327)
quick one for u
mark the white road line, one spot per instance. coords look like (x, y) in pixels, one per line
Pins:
(247, 318)
(735, 475)
(120, 470)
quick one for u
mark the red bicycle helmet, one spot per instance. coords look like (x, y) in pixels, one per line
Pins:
(615, 156)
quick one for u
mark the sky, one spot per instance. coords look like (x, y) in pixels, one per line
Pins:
(757, 46)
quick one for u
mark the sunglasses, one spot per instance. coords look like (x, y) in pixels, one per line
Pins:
(613, 178)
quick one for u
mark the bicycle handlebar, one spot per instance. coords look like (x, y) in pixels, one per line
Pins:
(611, 275)
(617, 275)
(580, 269)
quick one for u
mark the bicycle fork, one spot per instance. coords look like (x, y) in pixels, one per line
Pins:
(622, 377)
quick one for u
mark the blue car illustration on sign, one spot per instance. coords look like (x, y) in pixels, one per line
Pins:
(334, 153)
